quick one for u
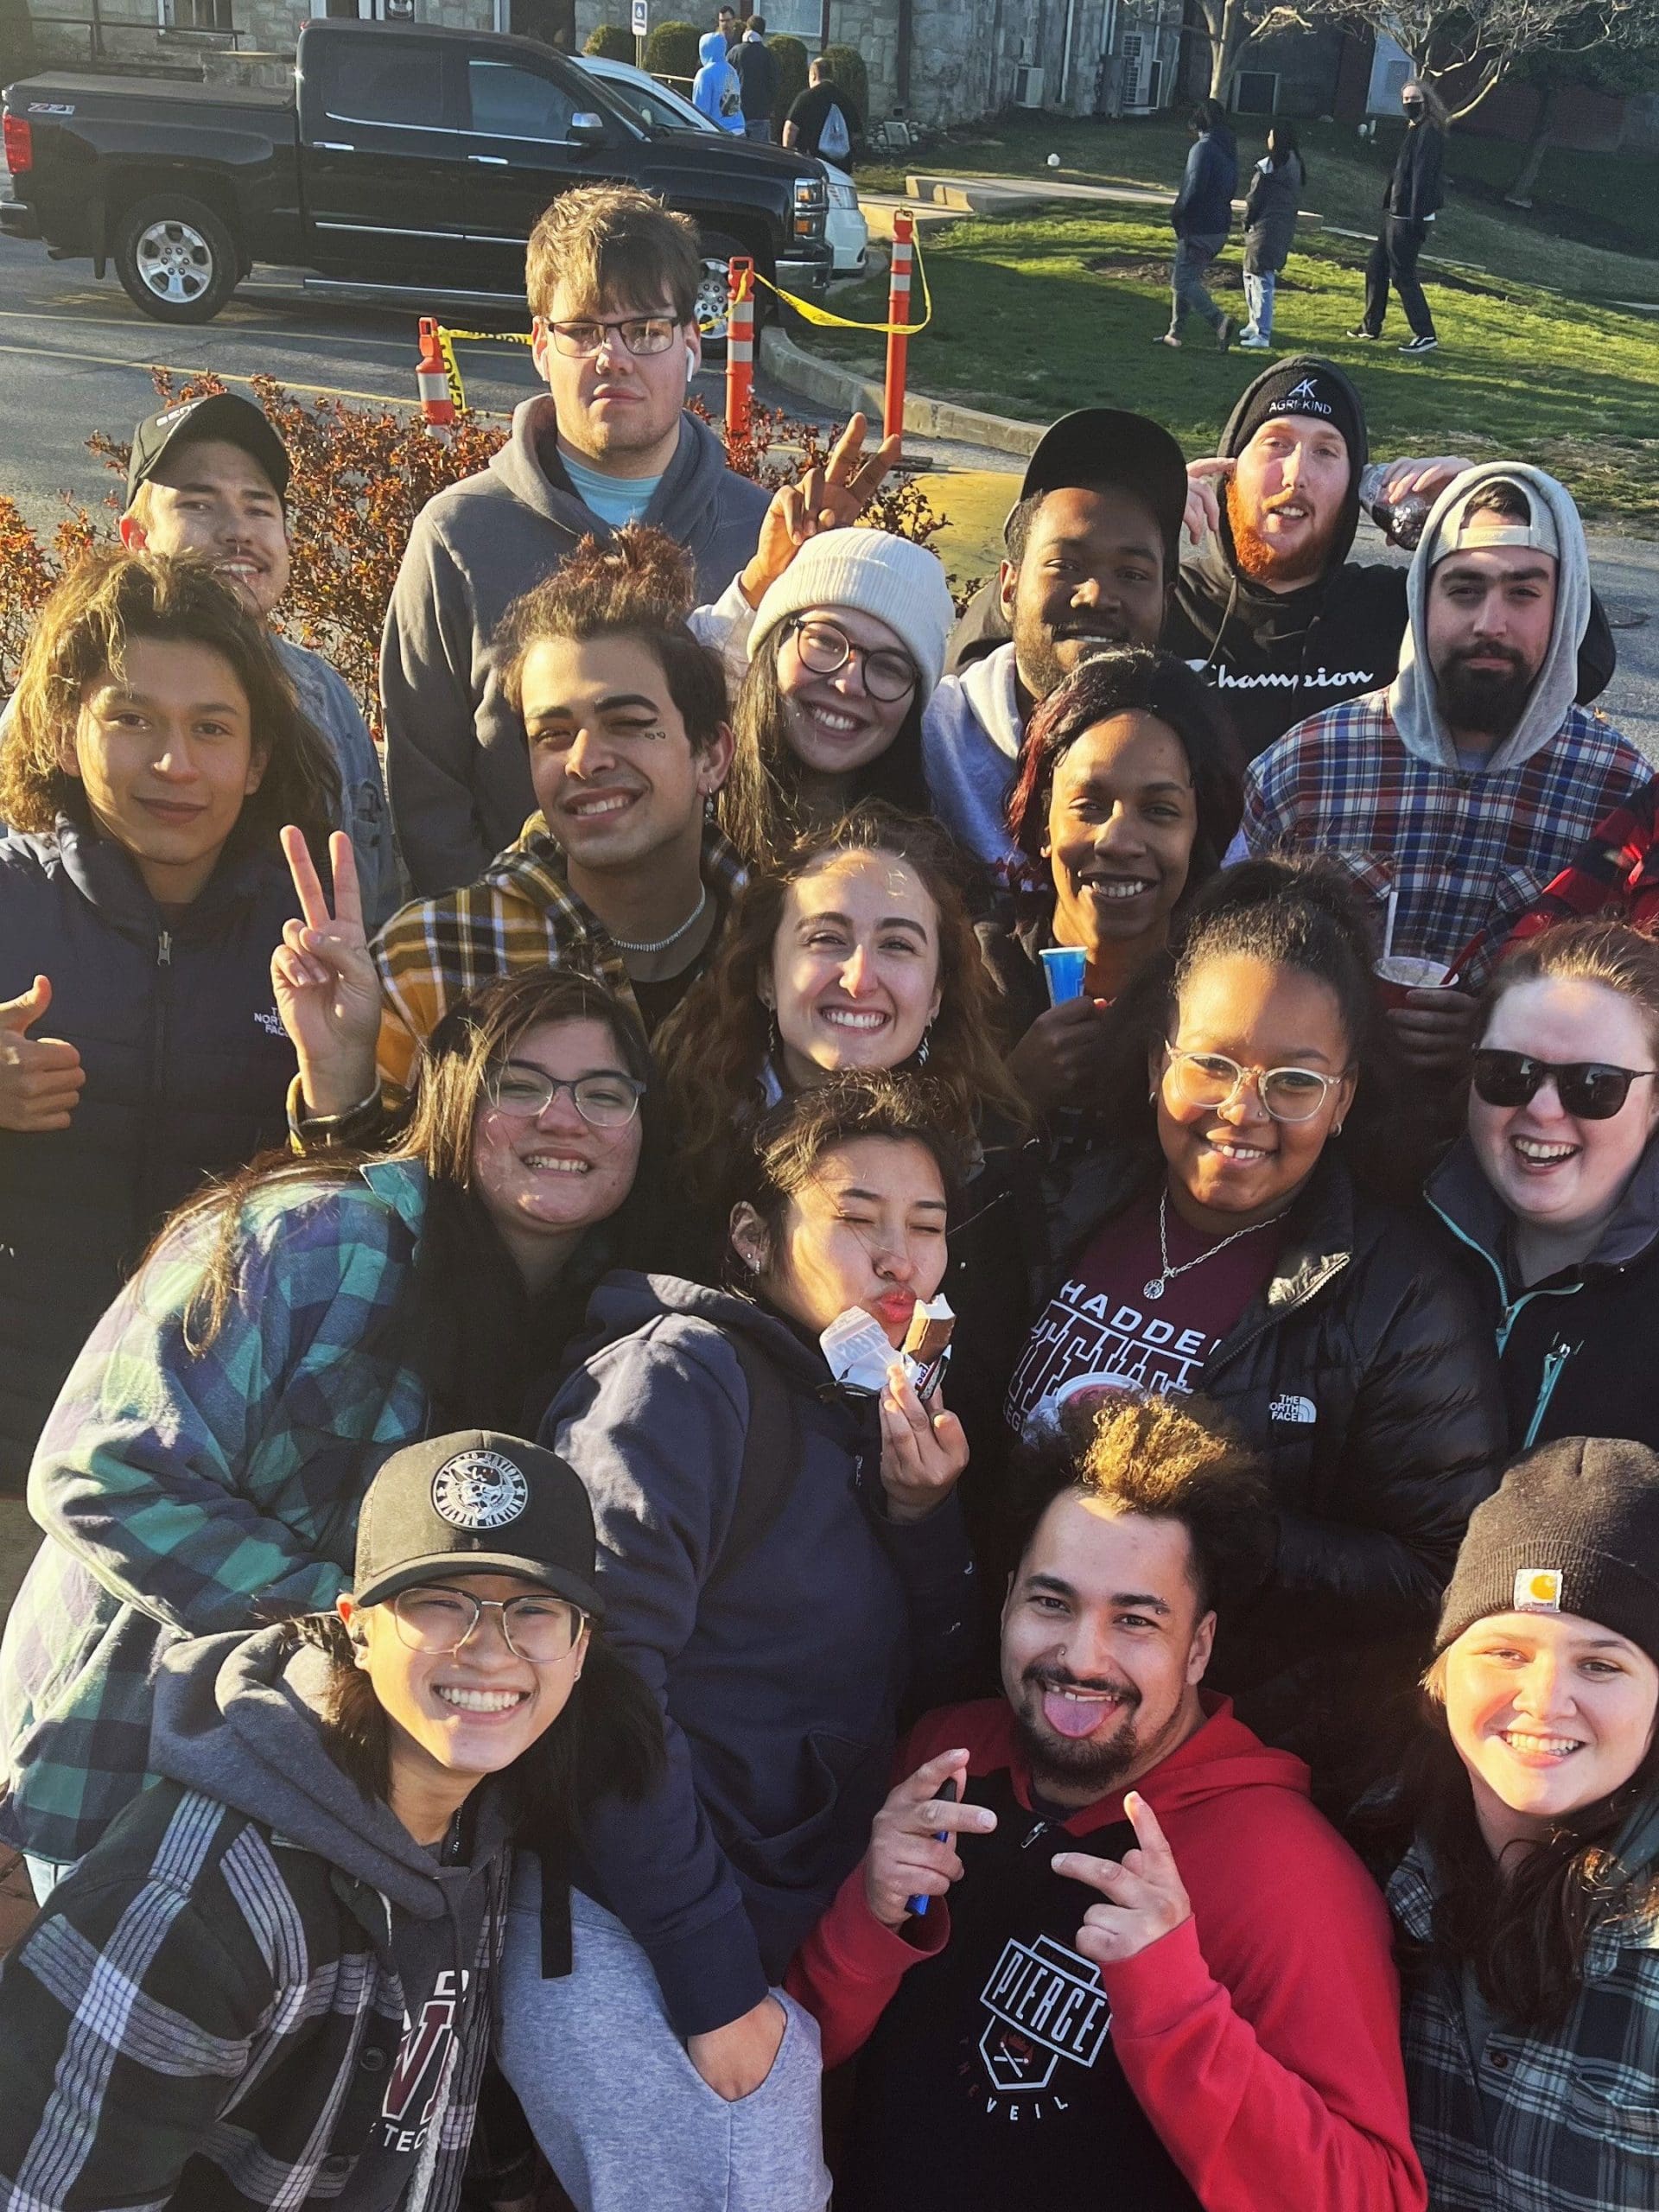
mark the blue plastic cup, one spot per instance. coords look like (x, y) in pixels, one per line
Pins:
(1064, 967)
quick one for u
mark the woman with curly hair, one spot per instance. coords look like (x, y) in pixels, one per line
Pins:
(855, 951)
(154, 748)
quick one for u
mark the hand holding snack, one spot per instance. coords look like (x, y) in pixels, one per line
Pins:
(923, 1451)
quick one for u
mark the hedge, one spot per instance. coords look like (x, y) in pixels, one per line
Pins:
(606, 42)
(671, 51)
(791, 75)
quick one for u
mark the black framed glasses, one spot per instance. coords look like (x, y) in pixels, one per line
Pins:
(1591, 1090)
(539, 1626)
(640, 333)
(606, 1100)
(824, 648)
(1211, 1079)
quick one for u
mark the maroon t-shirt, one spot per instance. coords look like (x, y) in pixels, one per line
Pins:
(1100, 1333)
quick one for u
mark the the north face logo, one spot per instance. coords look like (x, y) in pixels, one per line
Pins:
(1294, 1410)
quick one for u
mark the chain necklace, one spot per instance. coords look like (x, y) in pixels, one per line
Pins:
(1160, 1283)
(662, 943)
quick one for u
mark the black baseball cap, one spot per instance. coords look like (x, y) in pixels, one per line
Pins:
(476, 1503)
(215, 415)
(1108, 445)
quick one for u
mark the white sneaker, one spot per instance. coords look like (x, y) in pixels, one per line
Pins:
(1254, 342)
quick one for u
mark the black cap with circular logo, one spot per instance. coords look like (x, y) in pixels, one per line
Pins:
(1097, 446)
(216, 415)
(476, 1504)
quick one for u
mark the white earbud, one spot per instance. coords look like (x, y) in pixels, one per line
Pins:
(691, 365)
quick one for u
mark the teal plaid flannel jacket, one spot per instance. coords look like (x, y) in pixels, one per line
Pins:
(186, 1493)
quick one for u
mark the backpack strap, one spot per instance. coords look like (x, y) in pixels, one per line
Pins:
(771, 1458)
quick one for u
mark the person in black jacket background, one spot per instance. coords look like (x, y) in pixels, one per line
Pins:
(757, 72)
(154, 749)
(1235, 1242)
(1412, 198)
(1202, 216)
(1277, 183)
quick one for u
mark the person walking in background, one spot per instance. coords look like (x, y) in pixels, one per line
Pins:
(717, 90)
(1277, 183)
(757, 76)
(1203, 215)
(823, 121)
(1413, 197)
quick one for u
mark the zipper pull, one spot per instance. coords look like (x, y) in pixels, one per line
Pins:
(164, 949)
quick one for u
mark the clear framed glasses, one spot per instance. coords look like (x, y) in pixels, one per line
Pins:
(824, 648)
(640, 333)
(1212, 1079)
(437, 1621)
(607, 1100)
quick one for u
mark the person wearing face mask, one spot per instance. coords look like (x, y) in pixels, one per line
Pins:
(1128, 794)
(1129, 1965)
(1527, 1904)
(782, 1558)
(210, 1450)
(1092, 547)
(303, 1915)
(155, 746)
(1239, 1238)
(1459, 790)
(855, 951)
(1413, 196)
(1552, 1194)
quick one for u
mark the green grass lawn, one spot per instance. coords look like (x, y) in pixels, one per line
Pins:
(1034, 314)
(1617, 195)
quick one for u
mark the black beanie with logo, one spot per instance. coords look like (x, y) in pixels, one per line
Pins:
(1573, 1528)
(1301, 386)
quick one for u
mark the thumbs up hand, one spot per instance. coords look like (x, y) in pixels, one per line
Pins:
(39, 1076)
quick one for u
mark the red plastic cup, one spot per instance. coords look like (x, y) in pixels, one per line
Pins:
(1401, 975)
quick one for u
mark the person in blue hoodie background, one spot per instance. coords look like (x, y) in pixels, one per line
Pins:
(717, 90)
(782, 1559)
(1202, 216)
(303, 1918)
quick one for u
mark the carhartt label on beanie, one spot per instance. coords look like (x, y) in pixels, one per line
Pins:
(899, 583)
(1573, 1528)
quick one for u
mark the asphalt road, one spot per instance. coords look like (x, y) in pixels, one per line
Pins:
(75, 357)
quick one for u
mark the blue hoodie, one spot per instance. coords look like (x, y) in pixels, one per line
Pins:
(781, 1680)
(717, 90)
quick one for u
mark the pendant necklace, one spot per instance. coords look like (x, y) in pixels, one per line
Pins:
(1161, 1282)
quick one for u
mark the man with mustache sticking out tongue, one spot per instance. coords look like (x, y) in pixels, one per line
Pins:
(1101, 1947)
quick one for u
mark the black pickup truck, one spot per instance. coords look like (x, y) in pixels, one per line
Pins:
(407, 159)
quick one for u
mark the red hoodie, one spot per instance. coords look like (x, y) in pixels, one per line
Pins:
(1260, 2039)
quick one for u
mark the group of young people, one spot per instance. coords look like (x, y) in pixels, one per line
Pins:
(528, 1658)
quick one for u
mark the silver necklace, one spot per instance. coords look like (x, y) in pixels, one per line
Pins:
(1160, 1283)
(662, 943)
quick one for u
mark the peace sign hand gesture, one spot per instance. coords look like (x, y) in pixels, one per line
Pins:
(827, 497)
(1146, 1899)
(328, 991)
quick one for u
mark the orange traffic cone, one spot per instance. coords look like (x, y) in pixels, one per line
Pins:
(432, 378)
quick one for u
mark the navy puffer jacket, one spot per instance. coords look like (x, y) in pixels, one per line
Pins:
(187, 1069)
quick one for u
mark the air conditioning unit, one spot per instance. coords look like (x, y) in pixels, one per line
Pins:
(1028, 86)
(1132, 56)
(1255, 92)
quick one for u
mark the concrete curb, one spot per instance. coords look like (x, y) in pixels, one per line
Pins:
(808, 378)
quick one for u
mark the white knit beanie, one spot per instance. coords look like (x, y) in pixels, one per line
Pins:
(901, 584)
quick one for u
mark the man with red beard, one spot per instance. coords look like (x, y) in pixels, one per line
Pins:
(1270, 609)
(1161, 1981)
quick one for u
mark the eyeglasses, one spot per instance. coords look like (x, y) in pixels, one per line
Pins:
(641, 334)
(823, 648)
(1211, 1079)
(1591, 1090)
(605, 1101)
(437, 1621)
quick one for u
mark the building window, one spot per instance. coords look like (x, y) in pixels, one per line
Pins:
(196, 15)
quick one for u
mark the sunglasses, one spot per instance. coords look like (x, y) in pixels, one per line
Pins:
(1591, 1090)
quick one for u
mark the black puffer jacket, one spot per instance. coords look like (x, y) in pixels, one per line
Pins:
(1363, 1377)
(187, 1067)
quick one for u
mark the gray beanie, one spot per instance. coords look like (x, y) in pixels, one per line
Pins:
(1573, 1528)
(901, 584)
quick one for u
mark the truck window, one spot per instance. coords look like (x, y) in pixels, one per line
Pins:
(369, 83)
(512, 103)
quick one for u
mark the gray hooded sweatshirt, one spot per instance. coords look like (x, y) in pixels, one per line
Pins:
(457, 763)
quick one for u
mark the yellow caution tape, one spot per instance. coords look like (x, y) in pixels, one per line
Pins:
(808, 309)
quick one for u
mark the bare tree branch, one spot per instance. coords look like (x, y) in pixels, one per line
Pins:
(1465, 49)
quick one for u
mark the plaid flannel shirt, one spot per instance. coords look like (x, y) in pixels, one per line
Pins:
(1561, 2122)
(1468, 852)
(521, 913)
(1617, 873)
(183, 1491)
(208, 2018)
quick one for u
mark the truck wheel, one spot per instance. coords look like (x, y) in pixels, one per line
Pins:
(712, 294)
(175, 259)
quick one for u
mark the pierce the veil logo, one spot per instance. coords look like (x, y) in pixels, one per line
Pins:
(479, 1490)
(1048, 2012)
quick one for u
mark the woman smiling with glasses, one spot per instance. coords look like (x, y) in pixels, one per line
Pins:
(1554, 1193)
(1235, 1245)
